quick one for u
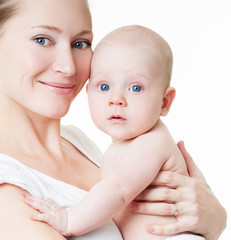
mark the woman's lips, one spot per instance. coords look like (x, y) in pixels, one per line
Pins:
(59, 88)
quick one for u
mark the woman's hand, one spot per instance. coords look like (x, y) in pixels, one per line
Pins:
(190, 199)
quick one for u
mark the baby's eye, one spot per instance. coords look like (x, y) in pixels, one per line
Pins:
(81, 45)
(104, 87)
(43, 41)
(135, 88)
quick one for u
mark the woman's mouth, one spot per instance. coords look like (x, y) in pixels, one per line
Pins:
(59, 88)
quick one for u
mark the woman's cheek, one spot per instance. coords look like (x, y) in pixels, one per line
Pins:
(83, 65)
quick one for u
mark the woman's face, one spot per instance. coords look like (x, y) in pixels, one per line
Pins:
(45, 54)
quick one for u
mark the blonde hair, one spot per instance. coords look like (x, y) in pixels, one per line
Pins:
(8, 8)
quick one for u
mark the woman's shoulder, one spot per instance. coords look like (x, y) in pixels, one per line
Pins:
(15, 217)
(16, 181)
(15, 173)
(39, 184)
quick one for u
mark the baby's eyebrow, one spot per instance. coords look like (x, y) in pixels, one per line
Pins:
(140, 75)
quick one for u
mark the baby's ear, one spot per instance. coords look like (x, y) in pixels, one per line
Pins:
(168, 98)
(87, 88)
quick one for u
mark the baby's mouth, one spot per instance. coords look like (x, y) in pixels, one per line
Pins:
(117, 118)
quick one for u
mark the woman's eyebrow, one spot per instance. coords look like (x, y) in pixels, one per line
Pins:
(52, 28)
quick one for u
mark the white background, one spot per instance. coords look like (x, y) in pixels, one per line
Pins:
(199, 32)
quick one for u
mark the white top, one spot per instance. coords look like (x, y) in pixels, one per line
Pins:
(38, 184)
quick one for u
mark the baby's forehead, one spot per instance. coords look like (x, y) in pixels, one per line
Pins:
(134, 38)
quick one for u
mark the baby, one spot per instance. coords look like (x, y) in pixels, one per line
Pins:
(128, 91)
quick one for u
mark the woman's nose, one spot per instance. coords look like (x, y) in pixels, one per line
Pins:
(118, 100)
(65, 63)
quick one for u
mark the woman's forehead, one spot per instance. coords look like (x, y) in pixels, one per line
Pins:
(57, 13)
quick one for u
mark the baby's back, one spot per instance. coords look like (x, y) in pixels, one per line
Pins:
(133, 226)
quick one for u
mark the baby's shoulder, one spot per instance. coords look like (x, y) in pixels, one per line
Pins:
(157, 135)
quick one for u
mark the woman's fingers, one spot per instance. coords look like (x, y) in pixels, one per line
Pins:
(185, 207)
(158, 209)
(170, 179)
(193, 170)
(189, 198)
(168, 229)
(159, 193)
(187, 219)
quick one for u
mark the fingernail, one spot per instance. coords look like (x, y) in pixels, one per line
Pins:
(150, 229)
(27, 199)
(133, 207)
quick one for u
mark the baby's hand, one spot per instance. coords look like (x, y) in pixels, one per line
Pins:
(50, 213)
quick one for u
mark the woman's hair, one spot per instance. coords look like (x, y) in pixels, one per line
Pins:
(8, 8)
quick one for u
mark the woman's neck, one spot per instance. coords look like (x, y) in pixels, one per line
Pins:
(25, 132)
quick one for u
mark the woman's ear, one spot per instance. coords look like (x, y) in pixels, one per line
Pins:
(168, 98)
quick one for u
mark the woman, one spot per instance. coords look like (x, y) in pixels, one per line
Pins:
(45, 59)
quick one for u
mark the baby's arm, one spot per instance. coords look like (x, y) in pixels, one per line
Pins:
(135, 171)
(102, 202)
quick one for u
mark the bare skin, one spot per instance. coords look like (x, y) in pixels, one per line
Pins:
(30, 118)
(178, 187)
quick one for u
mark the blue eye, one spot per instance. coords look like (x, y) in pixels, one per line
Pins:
(42, 41)
(136, 88)
(104, 87)
(81, 45)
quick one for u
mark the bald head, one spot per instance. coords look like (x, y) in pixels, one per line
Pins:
(142, 37)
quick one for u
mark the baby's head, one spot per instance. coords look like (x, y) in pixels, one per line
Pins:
(130, 78)
(147, 41)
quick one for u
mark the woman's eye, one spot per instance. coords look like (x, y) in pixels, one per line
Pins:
(81, 45)
(42, 41)
(136, 88)
(104, 87)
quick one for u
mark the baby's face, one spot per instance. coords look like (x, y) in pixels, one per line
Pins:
(125, 90)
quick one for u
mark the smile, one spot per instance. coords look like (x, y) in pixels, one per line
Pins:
(59, 88)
